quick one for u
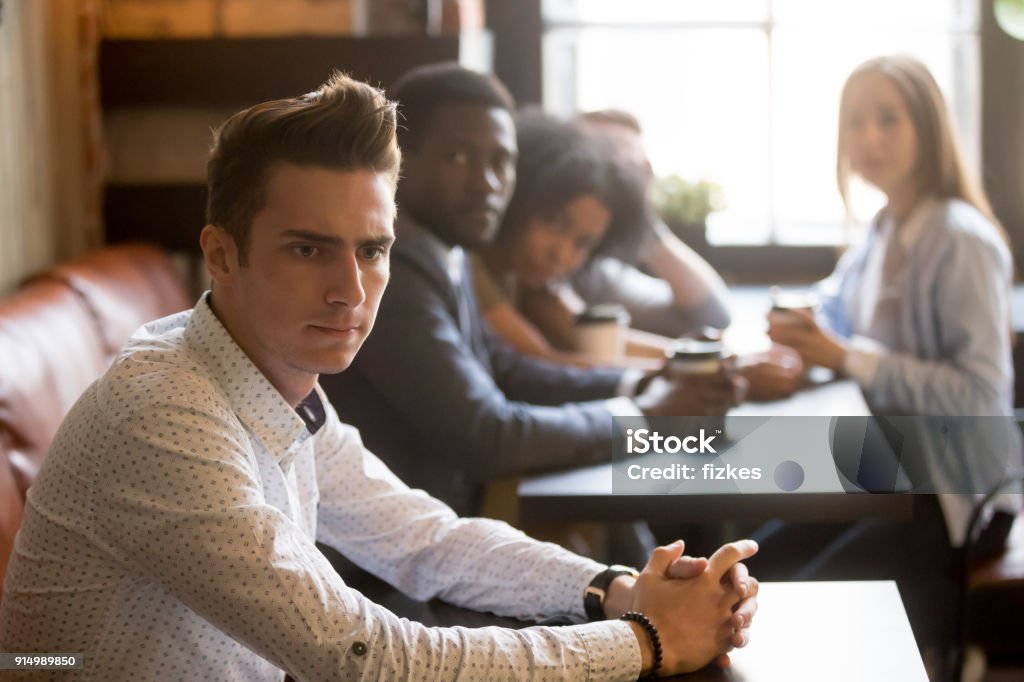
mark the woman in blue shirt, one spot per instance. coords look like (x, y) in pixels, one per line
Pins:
(919, 316)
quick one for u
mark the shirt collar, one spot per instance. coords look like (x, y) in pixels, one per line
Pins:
(312, 411)
(909, 233)
(255, 401)
(451, 258)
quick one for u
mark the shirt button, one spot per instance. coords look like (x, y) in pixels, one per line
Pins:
(359, 648)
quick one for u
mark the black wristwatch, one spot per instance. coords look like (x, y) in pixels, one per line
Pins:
(594, 594)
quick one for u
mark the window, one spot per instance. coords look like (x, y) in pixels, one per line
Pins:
(745, 92)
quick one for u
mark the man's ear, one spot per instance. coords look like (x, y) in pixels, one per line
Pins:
(219, 253)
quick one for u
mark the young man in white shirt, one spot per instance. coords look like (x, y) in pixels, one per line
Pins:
(170, 533)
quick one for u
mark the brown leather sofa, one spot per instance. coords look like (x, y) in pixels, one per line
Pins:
(10, 512)
(58, 333)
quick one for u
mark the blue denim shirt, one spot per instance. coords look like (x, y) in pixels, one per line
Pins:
(950, 355)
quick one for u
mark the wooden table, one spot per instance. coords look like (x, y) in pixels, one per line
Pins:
(835, 631)
(803, 632)
(586, 494)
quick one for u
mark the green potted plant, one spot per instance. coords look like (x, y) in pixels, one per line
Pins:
(685, 205)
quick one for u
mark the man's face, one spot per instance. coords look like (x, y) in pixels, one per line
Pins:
(460, 179)
(317, 267)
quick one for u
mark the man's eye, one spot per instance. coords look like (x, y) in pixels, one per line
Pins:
(373, 252)
(306, 251)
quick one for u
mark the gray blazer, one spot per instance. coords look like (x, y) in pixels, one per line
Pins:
(449, 410)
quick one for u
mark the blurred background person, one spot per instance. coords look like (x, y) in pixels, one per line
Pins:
(918, 316)
(665, 285)
(578, 196)
(558, 218)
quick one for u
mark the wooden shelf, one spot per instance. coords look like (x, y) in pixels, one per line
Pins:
(234, 73)
(171, 215)
(226, 72)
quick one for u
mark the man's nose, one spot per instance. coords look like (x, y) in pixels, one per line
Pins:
(487, 178)
(346, 283)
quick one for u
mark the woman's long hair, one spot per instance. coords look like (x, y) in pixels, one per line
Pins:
(940, 171)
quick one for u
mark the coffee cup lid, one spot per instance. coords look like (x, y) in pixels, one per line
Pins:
(604, 312)
(787, 300)
(694, 349)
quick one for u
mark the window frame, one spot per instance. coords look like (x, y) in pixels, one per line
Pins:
(789, 261)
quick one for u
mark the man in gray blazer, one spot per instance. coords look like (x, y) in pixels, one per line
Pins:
(441, 399)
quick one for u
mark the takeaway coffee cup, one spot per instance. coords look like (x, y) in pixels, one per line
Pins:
(601, 331)
(786, 304)
(697, 358)
(694, 356)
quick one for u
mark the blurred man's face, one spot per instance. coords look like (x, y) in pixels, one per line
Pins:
(460, 179)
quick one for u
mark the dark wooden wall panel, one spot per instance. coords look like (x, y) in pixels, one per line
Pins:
(229, 73)
(224, 72)
(169, 215)
(518, 38)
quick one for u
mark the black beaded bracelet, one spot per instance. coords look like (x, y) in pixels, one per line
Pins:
(652, 632)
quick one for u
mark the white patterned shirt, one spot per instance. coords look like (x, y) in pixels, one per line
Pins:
(170, 536)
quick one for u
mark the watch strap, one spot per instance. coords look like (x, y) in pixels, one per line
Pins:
(595, 593)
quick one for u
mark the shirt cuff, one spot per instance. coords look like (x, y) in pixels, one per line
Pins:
(862, 358)
(612, 649)
(578, 579)
(622, 407)
(629, 381)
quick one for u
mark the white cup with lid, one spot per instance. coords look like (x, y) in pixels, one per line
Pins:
(787, 306)
(601, 331)
(695, 356)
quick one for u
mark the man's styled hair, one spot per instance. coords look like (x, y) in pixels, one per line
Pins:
(343, 125)
(420, 91)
